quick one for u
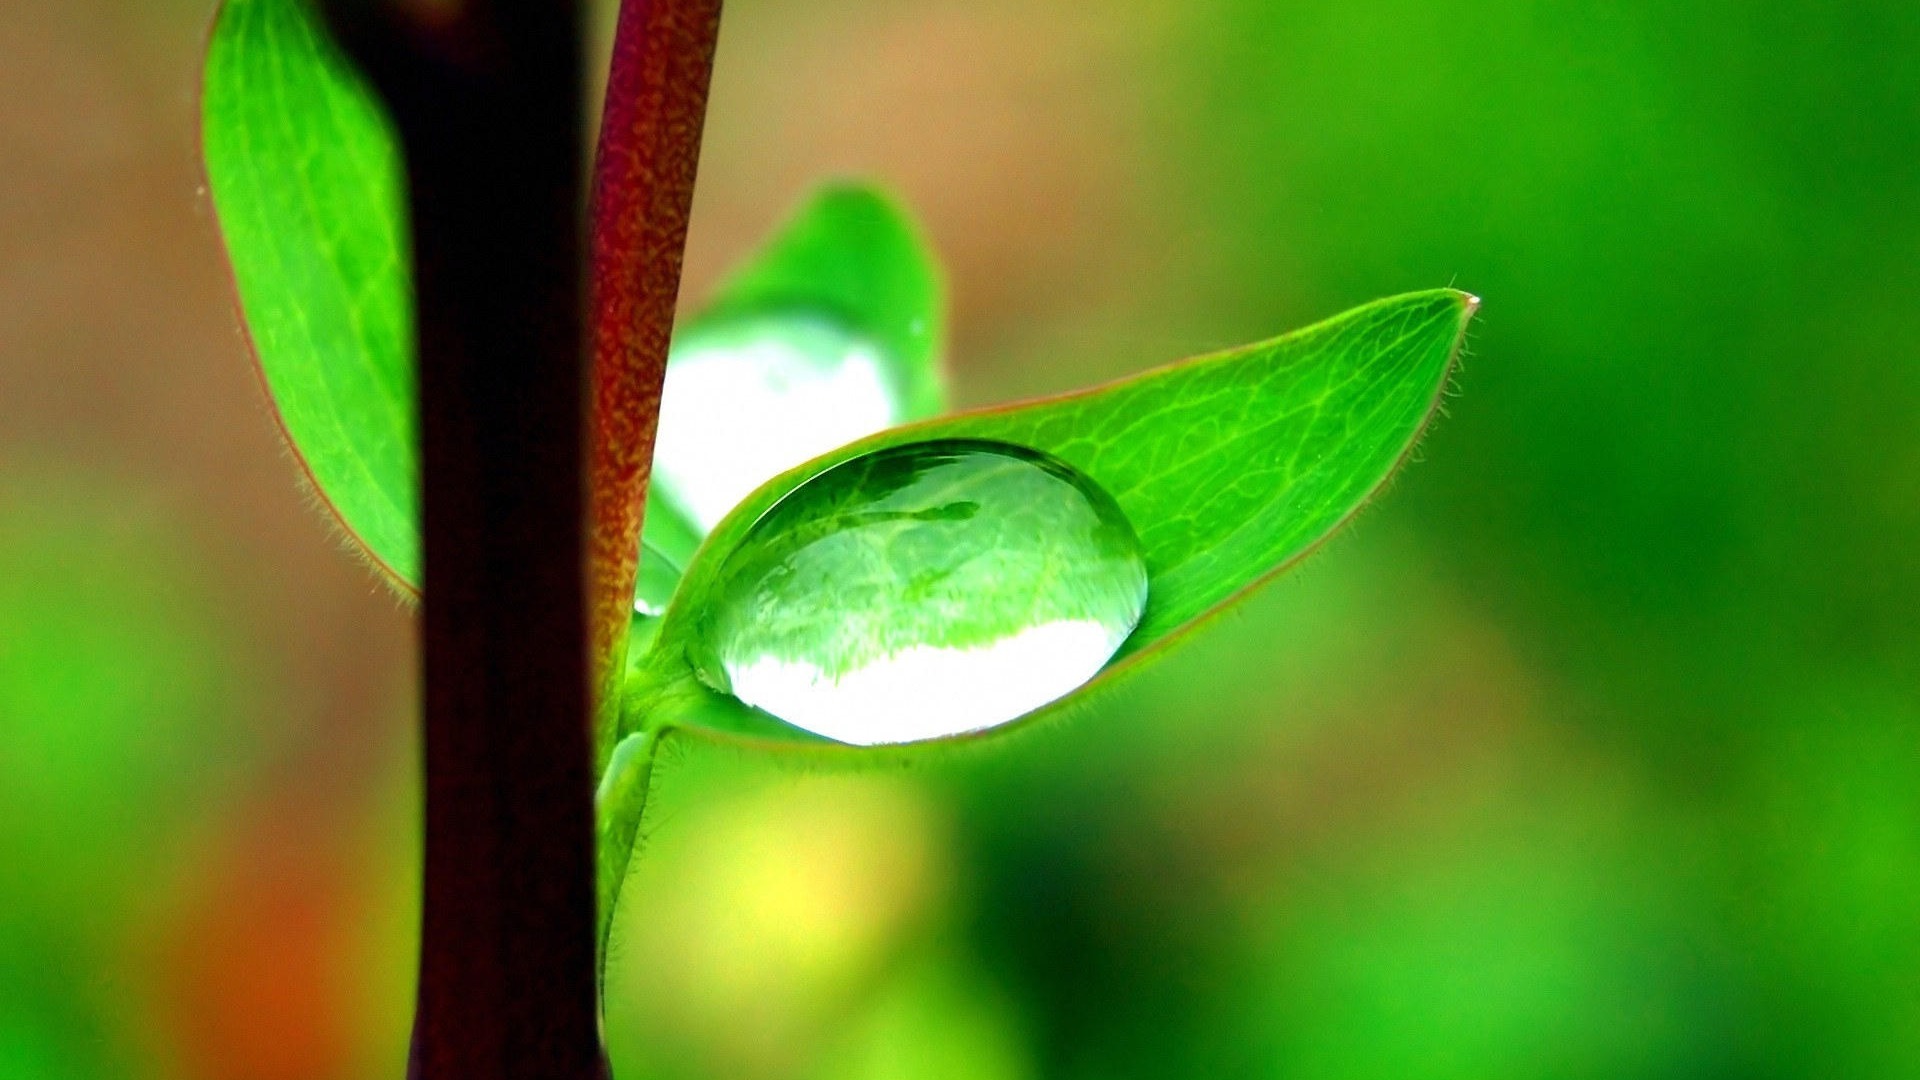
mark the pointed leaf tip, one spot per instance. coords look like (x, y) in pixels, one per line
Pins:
(1230, 467)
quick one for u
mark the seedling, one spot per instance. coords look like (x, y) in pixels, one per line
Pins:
(833, 564)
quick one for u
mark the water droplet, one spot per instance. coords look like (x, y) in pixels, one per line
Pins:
(748, 398)
(653, 587)
(923, 591)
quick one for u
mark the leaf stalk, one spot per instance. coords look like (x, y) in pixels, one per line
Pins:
(642, 199)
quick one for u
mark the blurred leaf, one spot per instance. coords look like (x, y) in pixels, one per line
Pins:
(853, 254)
(53, 1025)
(122, 697)
(1825, 840)
(937, 1018)
(1507, 949)
(830, 333)
(775, 911)
(307, 179)
(1230, 468)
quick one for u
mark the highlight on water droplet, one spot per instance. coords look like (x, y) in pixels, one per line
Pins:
(750, 397)
(924, 591)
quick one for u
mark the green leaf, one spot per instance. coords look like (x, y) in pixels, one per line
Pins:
(307, 180)
(1230, 467)
(830, 333)
(854, 254)
(619, 802)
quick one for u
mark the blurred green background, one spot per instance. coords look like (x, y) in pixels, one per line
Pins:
(1592, 751)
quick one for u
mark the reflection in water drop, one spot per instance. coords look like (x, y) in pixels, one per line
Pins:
(749, 398)
(924, 591)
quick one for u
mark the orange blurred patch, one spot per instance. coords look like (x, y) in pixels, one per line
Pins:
(252, 978)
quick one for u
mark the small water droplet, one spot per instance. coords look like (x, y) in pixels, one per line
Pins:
(657, 578)
(748, 398)
(923, 591)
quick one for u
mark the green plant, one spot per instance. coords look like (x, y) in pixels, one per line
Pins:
(415, 212)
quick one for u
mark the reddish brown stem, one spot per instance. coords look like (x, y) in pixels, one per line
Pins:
(656, 106)
(487, 100)
(516, 607)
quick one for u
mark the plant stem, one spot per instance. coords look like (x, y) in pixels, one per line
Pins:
(649, 150)
(487, 99)
(487, 102)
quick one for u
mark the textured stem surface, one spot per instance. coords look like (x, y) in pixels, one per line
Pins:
(649, 149)
(487, 99)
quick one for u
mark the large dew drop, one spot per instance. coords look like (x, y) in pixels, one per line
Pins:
(748, 398)
(924, 591)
